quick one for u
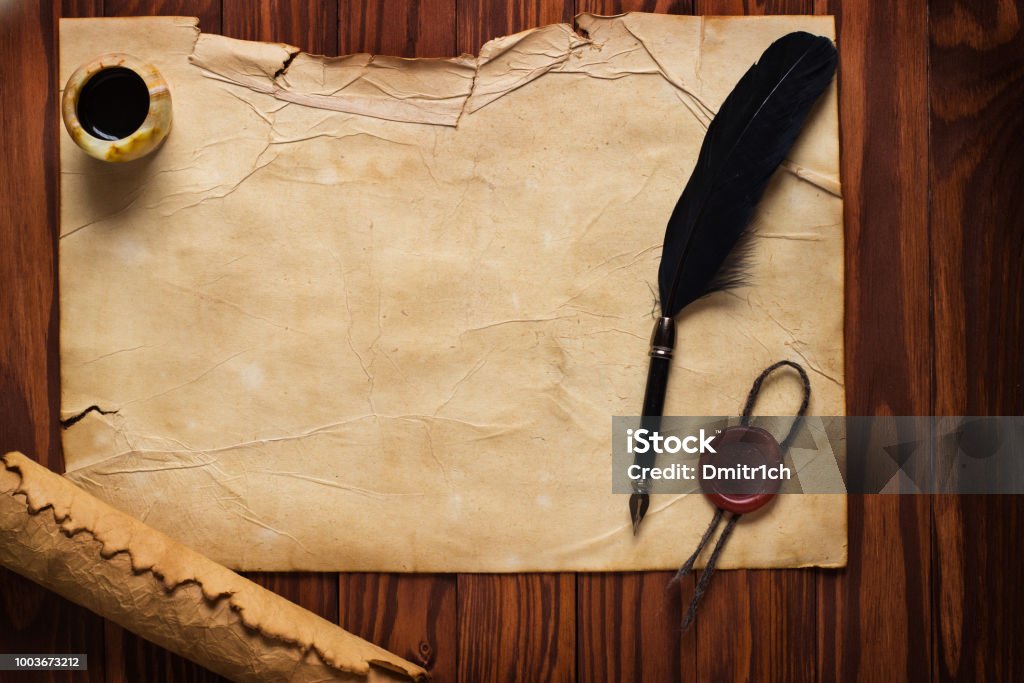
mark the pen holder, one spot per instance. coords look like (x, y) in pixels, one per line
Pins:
(117, 108)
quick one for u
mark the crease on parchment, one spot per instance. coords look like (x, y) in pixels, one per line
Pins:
(426, 91)
(76, 512)
(431, 91)
(441, 91)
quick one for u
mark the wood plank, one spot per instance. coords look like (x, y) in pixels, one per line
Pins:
(317, 592)
(311, 26)
(404, 28)
(874, 618)
(612, 7)
(208, 11)
(975, 173)
(758, 626)
(883, 138)
(412, 615)
(753, 7)
(482, 20)
(141, 660)
(628, 628)
(33, 620)
(29, 166)
(81, 8)
(977, 160)
(517, 627)
(978, 588)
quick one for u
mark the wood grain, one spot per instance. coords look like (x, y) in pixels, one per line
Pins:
(81, 8)
(517, 627)
(311, 25)
(753, 7)
(884, 141)
(976, 163)
(976, 166)
(612, 7)
(875, 618)
(482, 20)
(141, 660)
(28, 213)
(414, 616)
(404, 28)
(934, 586)
(208, 11)
(316, 592)
(758, 626)
(33, 620)
(628, 628)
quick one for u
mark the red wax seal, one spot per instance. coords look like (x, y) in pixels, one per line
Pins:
(744, 472)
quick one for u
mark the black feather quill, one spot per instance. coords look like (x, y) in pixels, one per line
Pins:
(747, 140)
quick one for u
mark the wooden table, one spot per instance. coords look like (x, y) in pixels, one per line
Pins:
(932, 118)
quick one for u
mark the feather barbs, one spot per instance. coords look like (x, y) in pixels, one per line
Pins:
(750, 136)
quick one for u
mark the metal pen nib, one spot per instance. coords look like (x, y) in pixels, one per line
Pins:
(638, 503)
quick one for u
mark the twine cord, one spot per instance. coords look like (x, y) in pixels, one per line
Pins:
(709, 568)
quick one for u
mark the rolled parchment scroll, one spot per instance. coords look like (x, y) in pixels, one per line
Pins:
(56, 534)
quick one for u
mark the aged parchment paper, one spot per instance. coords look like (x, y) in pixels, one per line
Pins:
(369, 313)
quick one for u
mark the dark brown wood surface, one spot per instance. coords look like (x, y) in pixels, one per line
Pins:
(931, 102)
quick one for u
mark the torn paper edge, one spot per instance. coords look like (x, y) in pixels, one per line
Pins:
(461, 84)
(452, 87)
